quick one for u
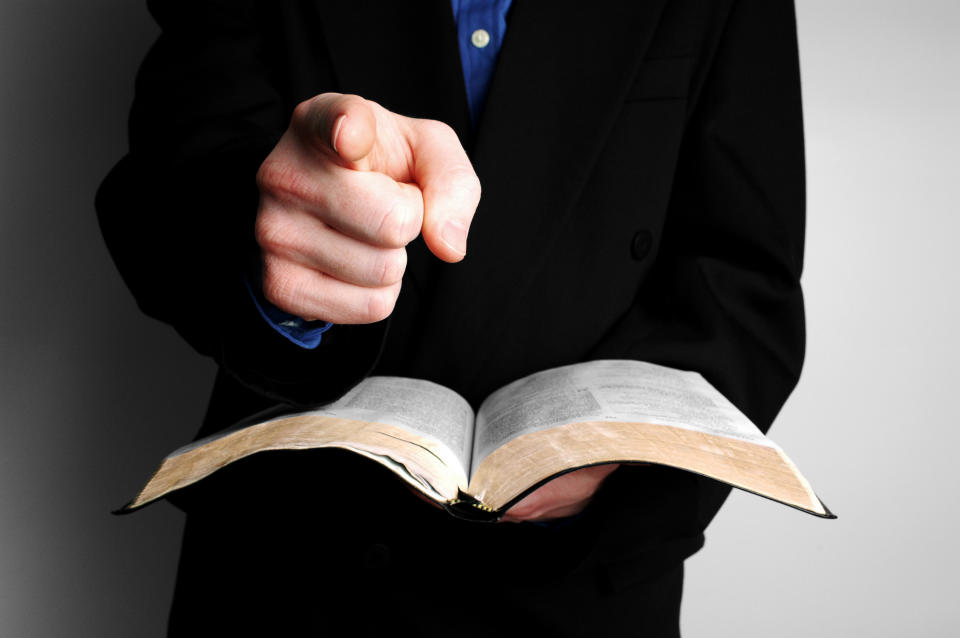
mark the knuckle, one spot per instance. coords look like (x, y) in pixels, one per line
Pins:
(270, 232)
(265, 173)
(279, 178)
(279, 285)
(391, 266)
(467, 185)
(264, 230)
(380, 304)
(462, 190)
(307, 114)
(464, 179)
(351, 102)
(441, 130)
(394, 228)
(303, 110)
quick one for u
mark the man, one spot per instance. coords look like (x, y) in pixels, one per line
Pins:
(642, 197)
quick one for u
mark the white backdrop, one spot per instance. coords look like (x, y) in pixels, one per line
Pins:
(93, 393)
(873, 423)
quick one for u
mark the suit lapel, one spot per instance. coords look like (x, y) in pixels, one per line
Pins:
(561, 78)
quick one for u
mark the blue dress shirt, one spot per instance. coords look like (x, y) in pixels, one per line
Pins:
(481, 25)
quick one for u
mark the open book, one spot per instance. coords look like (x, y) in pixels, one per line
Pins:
(532, 430)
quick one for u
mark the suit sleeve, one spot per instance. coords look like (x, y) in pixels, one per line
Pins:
(724, 296)
(178, 211)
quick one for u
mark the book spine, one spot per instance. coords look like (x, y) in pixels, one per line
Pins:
(468, 508)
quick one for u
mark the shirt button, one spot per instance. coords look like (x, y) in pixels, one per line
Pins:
(480, 38)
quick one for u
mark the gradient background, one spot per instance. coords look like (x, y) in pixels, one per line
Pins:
(94, 394)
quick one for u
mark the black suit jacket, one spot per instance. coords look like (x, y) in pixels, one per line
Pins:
(643, 197)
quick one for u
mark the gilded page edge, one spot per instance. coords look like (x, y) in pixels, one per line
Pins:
(557, 450)
(423, 457)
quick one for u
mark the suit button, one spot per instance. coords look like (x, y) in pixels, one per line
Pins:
(641, 244)
(376, 557)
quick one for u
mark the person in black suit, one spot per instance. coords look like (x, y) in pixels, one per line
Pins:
(641, 166)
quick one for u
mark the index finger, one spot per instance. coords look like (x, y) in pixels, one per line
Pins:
(341, 125)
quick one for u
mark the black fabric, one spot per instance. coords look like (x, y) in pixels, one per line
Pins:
(270, 557)
(677, 122)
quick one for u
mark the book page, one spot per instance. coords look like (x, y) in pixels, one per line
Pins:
(418, 429)
(423, 407)
(607, 391)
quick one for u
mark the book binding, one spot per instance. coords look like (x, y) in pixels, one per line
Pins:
(467, 508)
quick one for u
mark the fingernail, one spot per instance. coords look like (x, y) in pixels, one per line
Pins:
(454, 235)
(336, 132)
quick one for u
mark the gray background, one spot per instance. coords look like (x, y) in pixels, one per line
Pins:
(93, 394)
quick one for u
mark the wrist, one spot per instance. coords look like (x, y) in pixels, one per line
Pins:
(306, 334)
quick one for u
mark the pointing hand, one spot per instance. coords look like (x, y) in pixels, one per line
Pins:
(347, 187)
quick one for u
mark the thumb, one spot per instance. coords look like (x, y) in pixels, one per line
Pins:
(451, 189)
(341, 125)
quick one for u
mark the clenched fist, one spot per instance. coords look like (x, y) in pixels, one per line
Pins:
(347, 187)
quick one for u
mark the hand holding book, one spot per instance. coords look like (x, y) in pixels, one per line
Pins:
(564, 496)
